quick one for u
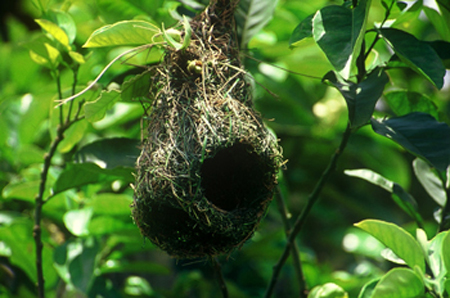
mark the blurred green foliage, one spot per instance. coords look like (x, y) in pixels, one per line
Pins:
(92, 247)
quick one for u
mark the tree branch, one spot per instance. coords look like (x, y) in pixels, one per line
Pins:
(220, 278)
(312, 199)
(294, 250)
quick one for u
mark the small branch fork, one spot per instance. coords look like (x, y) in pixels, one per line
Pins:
(299, 223)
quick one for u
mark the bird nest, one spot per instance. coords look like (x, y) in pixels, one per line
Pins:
(208, 166)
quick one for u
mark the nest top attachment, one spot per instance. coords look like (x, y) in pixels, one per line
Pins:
(208, 165)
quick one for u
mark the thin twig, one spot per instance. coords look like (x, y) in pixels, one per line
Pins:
(294, 250)
(219, 276)
(312, 199)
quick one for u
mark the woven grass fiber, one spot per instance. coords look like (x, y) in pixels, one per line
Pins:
(207, 168)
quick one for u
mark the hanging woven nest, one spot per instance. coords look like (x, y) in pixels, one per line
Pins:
(208, 166)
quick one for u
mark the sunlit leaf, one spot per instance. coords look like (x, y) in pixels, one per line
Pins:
(430, 181)
(123, 33)
(397, 239)
(367, 290)
(420, 134)
(445, 252)
(65, 21)
(96, 110)
(77, 221)
(187, 36)
(439, 17)
(77, 57)
(417, 54)
(328, 290)
(405, 102)
(436, 254)
(55, 31)
(110, 153)
(251, 16)
(399, 282)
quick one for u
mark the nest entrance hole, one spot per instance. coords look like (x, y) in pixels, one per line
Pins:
(234, 177)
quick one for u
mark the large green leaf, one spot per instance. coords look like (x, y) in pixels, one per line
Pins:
(339, 32)
(439, 17)
(436, 255)
(397, 239)
(403, 199)
(77, 175)
(419, 55)
(399, 282)
(65, 22)
(362, 97)
(430, 181)
(251, 16)
(77, 221)
(420, 134)
(405, 102)
(122, 34)
(110, 153)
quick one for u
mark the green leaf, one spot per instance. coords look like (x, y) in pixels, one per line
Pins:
(77, 175)
(110, 153)
(115, 266)
(420, 134)
(397, 239)
(123, 33)
(446, 252)
(439, 17)
(56, 32)
(251, 16)
(136, 87)
(368, 288)
(82, 267)
(419, 55)
(436, 255)
(96, 110)
(187, 36)
(65, 22)
(405, 102)
(328, 290)
(360, 98)
(111, 204)
(303, 30)
(77, 221)
(399, 282)
(339, 32)
(403, 199)
(430, 181)
(73, 135)
(45, 54)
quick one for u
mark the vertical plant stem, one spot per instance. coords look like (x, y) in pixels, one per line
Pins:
(38, 210)
(294, 250)
(312, 199)
(220, 278)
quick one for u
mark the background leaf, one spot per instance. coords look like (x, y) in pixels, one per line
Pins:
(251, 16)
(397, 239)
(420, 134)
(96, 110)
(405, 102)
(303, 30)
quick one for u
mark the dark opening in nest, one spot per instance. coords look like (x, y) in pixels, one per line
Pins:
(230, 178)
